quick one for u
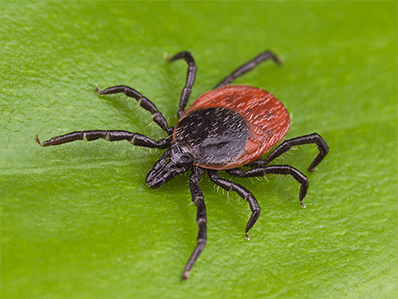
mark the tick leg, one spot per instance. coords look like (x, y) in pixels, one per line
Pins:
(248, 66)
(134, 138)
(186, 91)
(243, 192)
(144, 102)
(198, 200)
(287, 144)
(275, 169)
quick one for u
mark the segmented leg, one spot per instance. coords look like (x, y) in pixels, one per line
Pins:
(198, 200)
(287, 144)
(243, 192)
(144, 102)
(186, 91)
(275, 169)
(248, 66)
(134, 138)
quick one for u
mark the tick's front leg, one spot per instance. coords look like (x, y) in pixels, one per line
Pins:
(201, 219)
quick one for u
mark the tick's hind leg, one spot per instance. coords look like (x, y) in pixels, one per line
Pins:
(248, 66)
(144, 102)
(134, 138)
(275, 169)
(243, 192)
(287, 145)
(186, 91)
(201, 219)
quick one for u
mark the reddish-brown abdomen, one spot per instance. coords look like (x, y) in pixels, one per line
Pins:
(266, 118)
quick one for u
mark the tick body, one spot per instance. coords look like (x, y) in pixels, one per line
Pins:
(226, 128)
(232, 126)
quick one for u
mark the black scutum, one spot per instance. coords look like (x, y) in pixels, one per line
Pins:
(217, 136)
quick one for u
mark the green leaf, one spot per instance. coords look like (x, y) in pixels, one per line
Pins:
(78, 220)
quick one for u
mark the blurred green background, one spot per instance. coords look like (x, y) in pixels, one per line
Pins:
(78, 220)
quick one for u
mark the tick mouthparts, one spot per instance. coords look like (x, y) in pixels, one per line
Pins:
(156, 182)
(165, 174)
(158, 177)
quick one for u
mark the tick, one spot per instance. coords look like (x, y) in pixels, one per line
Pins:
(227, 127)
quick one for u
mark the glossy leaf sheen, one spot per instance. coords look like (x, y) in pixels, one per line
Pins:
(78, 220)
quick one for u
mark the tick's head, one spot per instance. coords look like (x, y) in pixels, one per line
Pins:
(176, 160)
